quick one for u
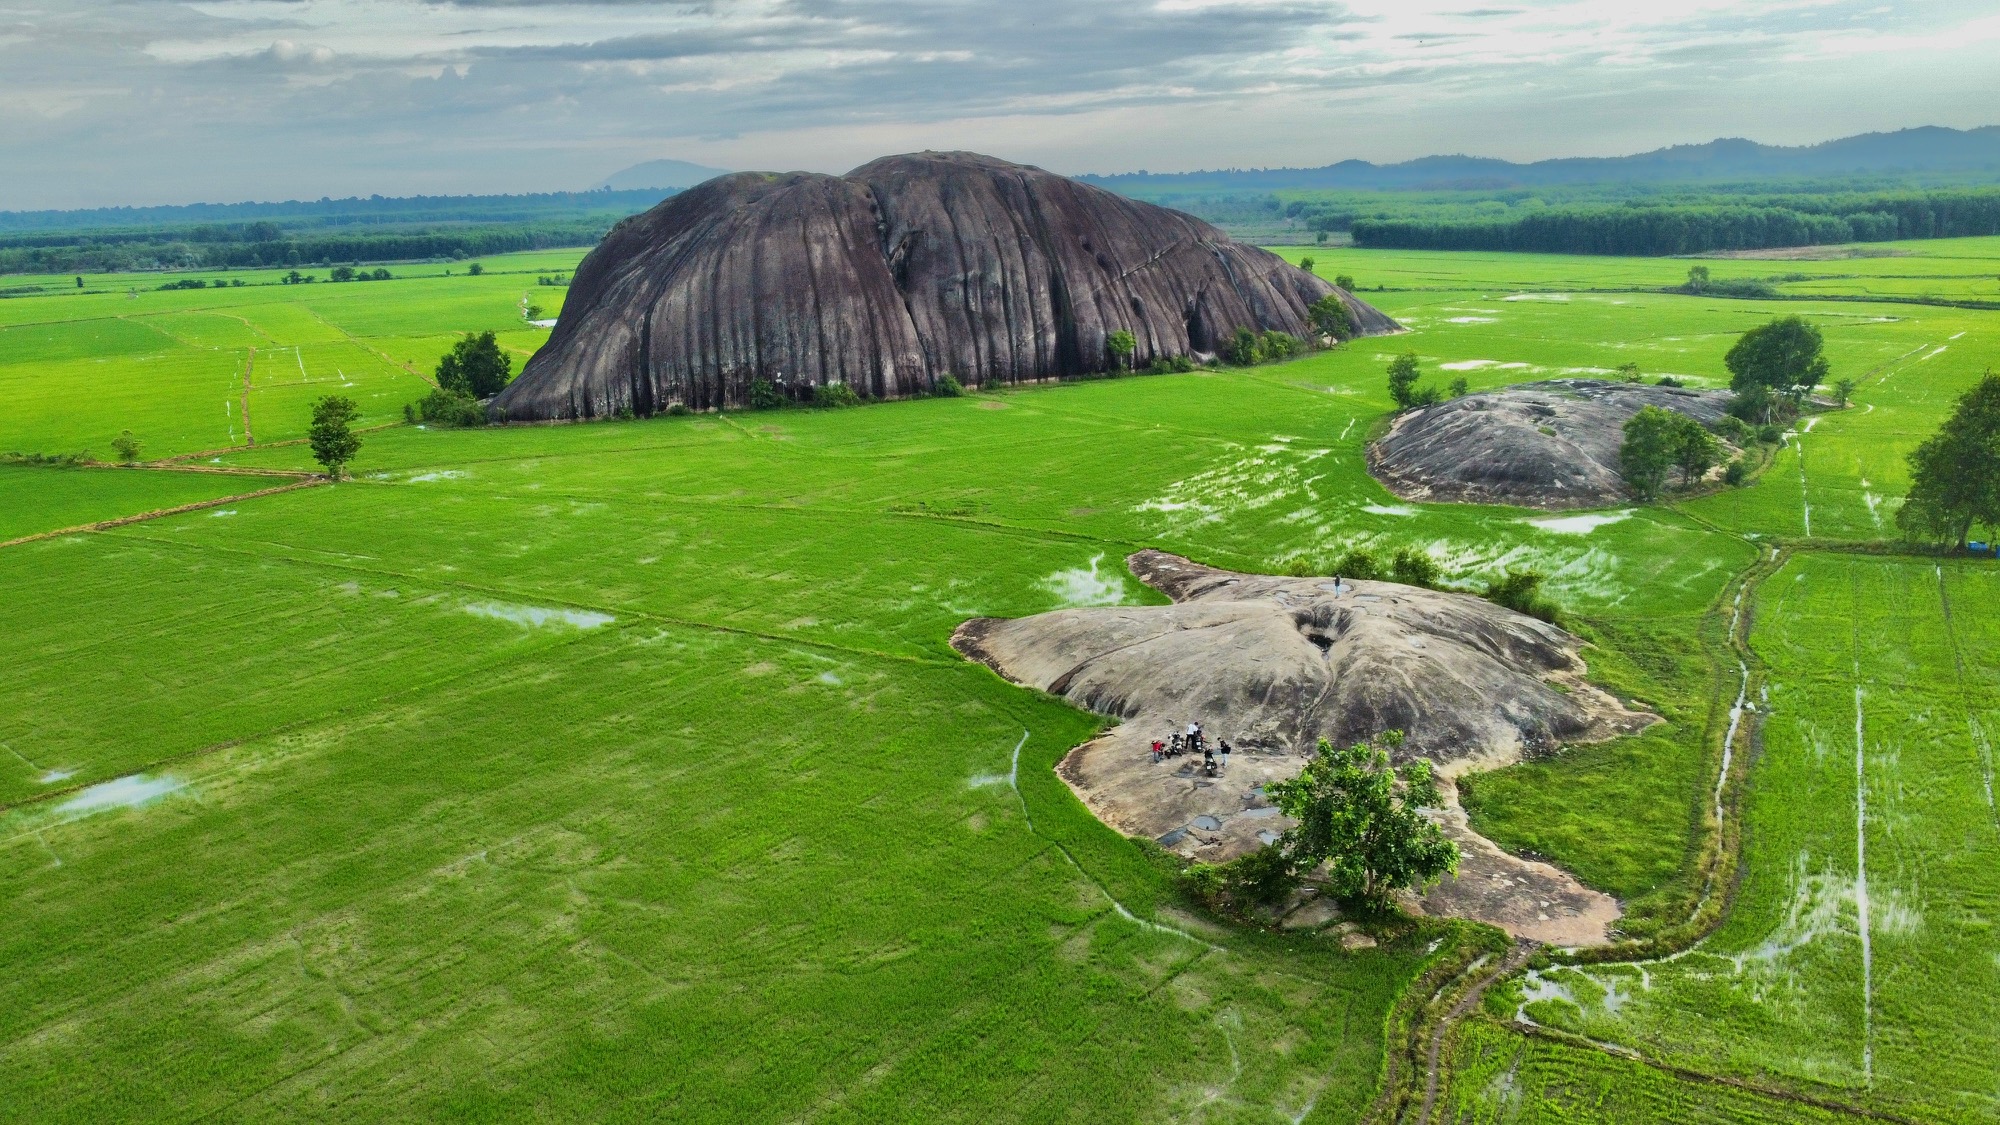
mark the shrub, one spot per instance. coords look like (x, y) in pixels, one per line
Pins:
(947, 386)
(1358, 564)
(1170, 365)
(1628, 372)
(1460, 388)
(1414, 568)
(764, 395)
(1771, 435)
(1520, 591)
(125, 446)
(1306, 264)
(1344, 281)
(1670, 381)
(1733, 428)
(1243, 349)
(991, 384)
(833, 395)
(1735, 473)
(1278, 345)
(678, 410)
(624, 414)
(446, 407)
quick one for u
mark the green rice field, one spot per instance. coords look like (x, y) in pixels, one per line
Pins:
(623, 771)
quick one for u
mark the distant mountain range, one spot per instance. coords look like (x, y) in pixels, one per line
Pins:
(658, 174)
(1924, 151)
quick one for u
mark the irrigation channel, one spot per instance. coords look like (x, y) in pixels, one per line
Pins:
(1423, 1074)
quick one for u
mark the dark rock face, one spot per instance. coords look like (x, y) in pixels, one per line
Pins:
(905, 269)
(1542, 445)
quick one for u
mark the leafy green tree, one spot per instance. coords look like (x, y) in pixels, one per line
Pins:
(341, 273)
(1843, 390)
(1695, 450)
(126, 446)
(1955, 473)
(1278, 345)
(1649, 450)
(1780, 360)
(1697, 279)
(1344, 282)
(334, 442)
(475, 366)
(1628, 372)
(1460, 387)
(1404, 372)
(1352, 819)
(1330, 318)
(1121, 344)
(1306, 264)
(475, 269)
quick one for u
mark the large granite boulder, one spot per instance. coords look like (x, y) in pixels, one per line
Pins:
(905, 269)
(1552, 444)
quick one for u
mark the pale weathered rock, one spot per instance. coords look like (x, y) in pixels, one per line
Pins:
(1552, 444)
(1273, 664)
(907, 268)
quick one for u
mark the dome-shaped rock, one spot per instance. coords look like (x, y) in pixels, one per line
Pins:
(908, 268)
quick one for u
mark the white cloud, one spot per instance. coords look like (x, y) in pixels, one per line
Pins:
(134, 101)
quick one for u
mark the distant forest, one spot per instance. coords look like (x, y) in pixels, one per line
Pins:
(322, 232)
(1613, 219)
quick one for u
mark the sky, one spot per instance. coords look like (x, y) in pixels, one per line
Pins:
(112, 102)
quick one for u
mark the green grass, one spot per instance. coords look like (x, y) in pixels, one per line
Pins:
(35, 499)
(1856, 647)
(623, 770)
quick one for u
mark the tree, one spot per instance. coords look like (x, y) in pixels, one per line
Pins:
(1351, 818)
(475, 366)
(334, 442)
(1244, 348)
(341, 273)
(79, 281)
(1782, 359)
(475, 269)
(1306, 264)
(1695, 449)
(126, 446)
(1697, 279)
(1649, 450)
(1955, 473)
(1843, 390)
(1344, 282)
(1121, 344)
(1403, 375)
(1460, 387)
(1330, 318)
(1628, 372)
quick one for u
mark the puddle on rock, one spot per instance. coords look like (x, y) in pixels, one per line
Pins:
(1207, 823)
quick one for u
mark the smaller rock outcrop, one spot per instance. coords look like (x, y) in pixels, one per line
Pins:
(1551, 444)
(1274, 664)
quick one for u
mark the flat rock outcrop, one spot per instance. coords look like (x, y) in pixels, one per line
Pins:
(905, 269)
(1552, 444)
(1272, 664)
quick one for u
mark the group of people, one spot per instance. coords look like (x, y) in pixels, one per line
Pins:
(1195, 741)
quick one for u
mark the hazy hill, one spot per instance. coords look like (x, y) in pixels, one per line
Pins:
(1928, 150)
(659, 174)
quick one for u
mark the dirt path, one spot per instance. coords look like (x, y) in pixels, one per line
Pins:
(1508, 966)
(121, 521)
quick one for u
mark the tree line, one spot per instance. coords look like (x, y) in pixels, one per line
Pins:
(254, 248)
(1650, 229)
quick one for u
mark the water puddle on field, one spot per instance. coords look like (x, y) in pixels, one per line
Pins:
(1084, 586)
(129, 792)
(53, 776)
(1389, 509)
(537, 616)
(1579, 525)
(222, 513)
(441, 474)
